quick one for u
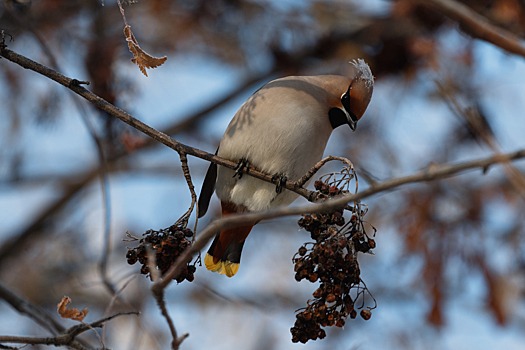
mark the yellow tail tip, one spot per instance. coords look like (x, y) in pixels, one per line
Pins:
(223, 267)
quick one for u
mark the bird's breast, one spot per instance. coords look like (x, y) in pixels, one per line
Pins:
(283, 137)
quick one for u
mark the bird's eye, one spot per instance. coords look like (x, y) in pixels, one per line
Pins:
(345, 100)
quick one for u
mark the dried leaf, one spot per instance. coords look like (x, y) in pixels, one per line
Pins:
(140, 57)
(73, 313)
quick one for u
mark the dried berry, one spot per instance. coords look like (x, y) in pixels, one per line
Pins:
(302, 251)
(332, 260)
(330, 298)
(131, 256)
(353, 314)
(167, 245)
(366, 314)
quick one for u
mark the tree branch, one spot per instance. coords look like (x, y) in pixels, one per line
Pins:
(61, 335)
(76, 86)
(67, 338)
(477, 26)
(187, 176)
(433, 172)
(158, 293)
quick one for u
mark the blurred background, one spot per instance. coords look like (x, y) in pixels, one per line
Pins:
(449, 267)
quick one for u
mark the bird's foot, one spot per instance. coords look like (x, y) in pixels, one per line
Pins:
(280, 181)
(242, 167)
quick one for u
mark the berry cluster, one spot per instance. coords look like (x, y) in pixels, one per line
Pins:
(167, 245)
(332, 260)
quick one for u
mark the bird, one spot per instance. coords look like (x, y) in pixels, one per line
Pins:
(282, 129)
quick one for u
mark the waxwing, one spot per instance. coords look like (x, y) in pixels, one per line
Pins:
(282, 129)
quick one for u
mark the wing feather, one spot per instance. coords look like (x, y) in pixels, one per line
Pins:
(208, 187)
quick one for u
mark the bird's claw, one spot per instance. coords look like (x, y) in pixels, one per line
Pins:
(242, 167)
(280, 181)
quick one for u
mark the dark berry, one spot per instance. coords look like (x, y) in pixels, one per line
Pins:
(302, 251)
(330, 259)
(131, 256)
(366, 314)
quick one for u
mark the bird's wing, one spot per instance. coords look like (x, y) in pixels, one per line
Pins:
(208, 187)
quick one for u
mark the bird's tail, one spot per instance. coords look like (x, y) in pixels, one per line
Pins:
(224, 255)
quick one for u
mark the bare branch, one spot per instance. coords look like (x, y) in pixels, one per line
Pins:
(186, 172)
(76, 86)
(433, 172)
(477, 26)
(67, 338)
(61, 335)
(302, 181)
(158, 293)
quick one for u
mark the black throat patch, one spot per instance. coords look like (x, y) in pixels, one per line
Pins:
(337, 117)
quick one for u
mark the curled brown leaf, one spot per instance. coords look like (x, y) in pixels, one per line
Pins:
(71, 313)
(140, 57)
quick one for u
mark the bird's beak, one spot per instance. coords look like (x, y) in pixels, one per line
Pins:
(352, 124)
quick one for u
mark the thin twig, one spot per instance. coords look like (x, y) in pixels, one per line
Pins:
(83, 327)
(67, 338)
(303, 180)
(159, 298)
(187, 176)
(159, 294)
(61, 340)
(122, 12)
